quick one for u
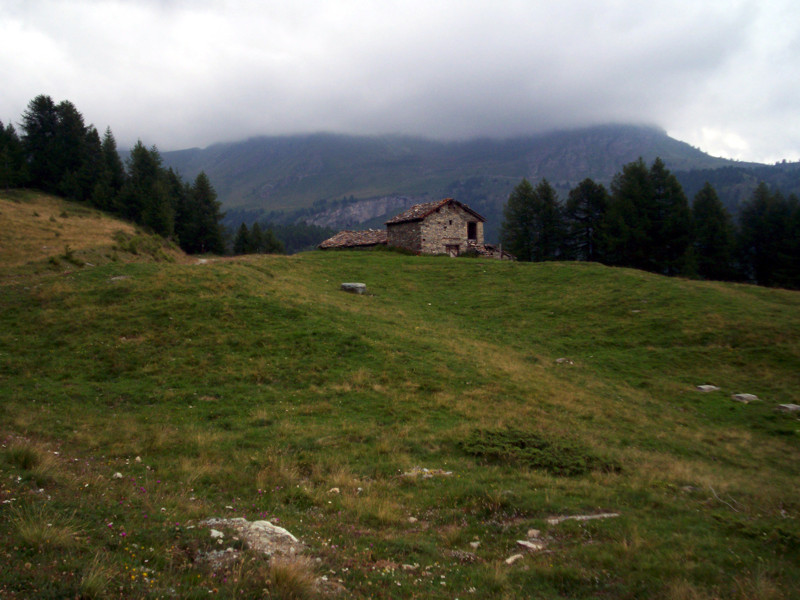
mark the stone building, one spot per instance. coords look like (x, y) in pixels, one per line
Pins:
(441, 227)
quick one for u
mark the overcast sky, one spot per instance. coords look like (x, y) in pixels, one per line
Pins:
(721, 75)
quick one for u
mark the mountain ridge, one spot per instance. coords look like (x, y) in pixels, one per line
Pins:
(300, 176)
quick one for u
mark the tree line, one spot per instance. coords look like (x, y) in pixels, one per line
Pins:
(59, 154)
(645, 221)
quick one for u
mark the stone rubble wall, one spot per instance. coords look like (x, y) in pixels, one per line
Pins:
(448, 226)
(405, 235)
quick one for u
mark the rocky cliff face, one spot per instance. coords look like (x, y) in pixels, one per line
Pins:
(356, 213)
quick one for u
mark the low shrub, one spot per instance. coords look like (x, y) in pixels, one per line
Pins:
(535, 451)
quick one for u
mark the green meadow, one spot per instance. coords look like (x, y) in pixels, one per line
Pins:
(253, 387)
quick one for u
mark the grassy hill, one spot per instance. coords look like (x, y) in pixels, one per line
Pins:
(255, 388)
(39, 232)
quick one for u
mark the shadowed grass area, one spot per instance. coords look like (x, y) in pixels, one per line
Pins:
(255, 388)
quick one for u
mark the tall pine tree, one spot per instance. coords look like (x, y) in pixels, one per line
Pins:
(763, 236)
(516, 232)
(626, 240)
(670, 221)
(145, 196)
(13, 170)
(40, 128)
(714, 237)
(533, 225)
(649, 223)
(241, 245)
(201, 219)
(585, 214)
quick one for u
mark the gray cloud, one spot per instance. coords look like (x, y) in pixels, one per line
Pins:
(720, 75)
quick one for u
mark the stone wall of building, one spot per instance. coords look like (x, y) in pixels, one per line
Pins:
(448, 227)
(405, 235)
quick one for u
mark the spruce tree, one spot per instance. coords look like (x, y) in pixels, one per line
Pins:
(713, 236)
(40, 128)
(92, 168)
(648, 223)
(626, 240)
(13, 170)
(203, 214)
(257, 245)
(272, 245)
(549, 230)
(670, 222)
(516, 232)
(763, 236)
(533, 227)
(145, 196)
(110, 174)
(241, 245)
(584, 215)
(71, 151)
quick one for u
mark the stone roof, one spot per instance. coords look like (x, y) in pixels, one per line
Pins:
(419, 211)
(355, 239)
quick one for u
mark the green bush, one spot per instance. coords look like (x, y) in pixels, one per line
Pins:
(535, 451)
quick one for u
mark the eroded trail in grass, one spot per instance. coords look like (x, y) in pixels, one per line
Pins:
(255, 388)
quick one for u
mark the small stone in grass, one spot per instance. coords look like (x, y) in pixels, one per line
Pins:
(707, 388)
(744, 398)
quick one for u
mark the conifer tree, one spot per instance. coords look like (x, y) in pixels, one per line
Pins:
(145, 195)
(671, 222)
(13, 170)
(549, 228)
(40, 127)
(272, 245)
(585, 214)
(517, 230)
(257, 245)
(112, 160)
(241, 245)
(713, 236)
(92, 168)
(626, 239)
(648, 223)
(202, 219)
(533, 227)
(763, 239)
(70, 151)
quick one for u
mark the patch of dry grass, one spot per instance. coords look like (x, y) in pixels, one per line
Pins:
(37, 461)
(40, 226)
(41, 528)
(292, 578)
(97, 577)
(276, 471)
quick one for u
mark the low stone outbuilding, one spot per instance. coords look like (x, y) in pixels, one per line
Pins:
(355, 239)
(442, 227)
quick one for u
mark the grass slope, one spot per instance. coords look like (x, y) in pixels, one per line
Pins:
(42, 232)
(253, 387)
